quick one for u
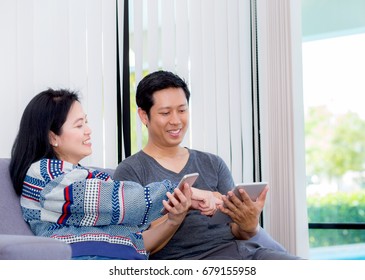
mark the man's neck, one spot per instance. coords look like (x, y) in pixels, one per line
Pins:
(171, 158)
(165, 152)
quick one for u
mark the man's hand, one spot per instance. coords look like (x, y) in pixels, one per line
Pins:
(205, 201)
(162, 229)
(178, 204)
(244, 212)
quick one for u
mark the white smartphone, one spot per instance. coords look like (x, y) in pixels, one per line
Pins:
(188, 178)
(252, 189)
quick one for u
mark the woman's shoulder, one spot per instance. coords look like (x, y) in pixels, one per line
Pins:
(49, 168)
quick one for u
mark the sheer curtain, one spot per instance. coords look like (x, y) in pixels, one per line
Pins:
(282, 117)
(60, 44)
(206, 42)
(72, 44)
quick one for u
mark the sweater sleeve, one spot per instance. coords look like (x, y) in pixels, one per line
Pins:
(79, 197)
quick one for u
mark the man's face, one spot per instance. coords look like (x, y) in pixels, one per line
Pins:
(169, 118)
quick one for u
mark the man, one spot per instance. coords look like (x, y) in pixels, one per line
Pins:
(163, 107)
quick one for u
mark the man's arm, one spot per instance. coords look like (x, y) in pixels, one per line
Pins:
(241, 234)
(162, 229)
(159, 234)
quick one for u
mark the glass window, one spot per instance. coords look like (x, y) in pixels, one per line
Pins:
(333, 88)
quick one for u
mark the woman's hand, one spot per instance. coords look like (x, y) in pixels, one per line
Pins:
(205, 201)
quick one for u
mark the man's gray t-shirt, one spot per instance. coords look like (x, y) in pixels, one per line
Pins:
(195, 235)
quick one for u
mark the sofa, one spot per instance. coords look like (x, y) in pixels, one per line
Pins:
(17, 242)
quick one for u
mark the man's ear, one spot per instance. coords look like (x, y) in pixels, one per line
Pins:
(143, 116)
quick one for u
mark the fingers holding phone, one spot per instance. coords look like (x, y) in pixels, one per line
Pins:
(182, 189)
(179, 201)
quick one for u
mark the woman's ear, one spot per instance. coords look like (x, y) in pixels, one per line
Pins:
(52, 139)
(143, 116)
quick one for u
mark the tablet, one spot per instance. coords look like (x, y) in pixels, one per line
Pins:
(252, 189)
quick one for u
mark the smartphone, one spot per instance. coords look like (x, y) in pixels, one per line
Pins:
(188, 178)
(252, 189)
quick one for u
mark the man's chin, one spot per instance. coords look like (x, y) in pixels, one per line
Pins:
(175, 142)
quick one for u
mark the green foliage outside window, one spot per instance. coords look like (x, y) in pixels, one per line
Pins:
(134, 116)
(340, 207)
(335, 144)
(335, 148)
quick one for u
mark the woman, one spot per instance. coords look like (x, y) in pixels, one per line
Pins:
(99, 217)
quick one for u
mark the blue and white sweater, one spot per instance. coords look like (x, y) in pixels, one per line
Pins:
(78, 205)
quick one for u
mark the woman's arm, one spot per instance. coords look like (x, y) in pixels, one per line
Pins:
(74, 196)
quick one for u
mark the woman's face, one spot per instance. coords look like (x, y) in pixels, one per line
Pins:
(73, 144)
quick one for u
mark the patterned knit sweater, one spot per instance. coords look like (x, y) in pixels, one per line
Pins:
(78, 205)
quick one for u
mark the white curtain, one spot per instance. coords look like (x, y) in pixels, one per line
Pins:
(72, 44)
(60, 44)
(206, 42)
(283, 157)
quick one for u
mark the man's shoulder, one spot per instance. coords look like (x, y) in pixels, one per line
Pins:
(208, 160)
(132, 159)
(204, 155)
(132, 167)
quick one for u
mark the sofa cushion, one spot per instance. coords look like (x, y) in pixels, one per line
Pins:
(20, 247)
(11, 218)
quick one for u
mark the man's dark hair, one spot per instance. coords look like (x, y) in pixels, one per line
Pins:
(156, 81)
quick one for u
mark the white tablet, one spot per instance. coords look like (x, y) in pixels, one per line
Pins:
(252, 189)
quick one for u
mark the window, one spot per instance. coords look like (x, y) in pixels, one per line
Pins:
(208, 44)
(333, 86)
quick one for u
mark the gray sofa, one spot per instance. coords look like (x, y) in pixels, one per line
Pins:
(17, 242)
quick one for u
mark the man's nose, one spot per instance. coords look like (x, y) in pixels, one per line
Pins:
(175, 118)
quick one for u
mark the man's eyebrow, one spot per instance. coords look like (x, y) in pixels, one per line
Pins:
(169, 107)
(165, 107)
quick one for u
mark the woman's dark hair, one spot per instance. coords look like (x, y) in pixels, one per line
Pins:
(156, 81)
(46, 112)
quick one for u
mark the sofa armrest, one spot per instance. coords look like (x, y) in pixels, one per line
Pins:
(24, 247)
